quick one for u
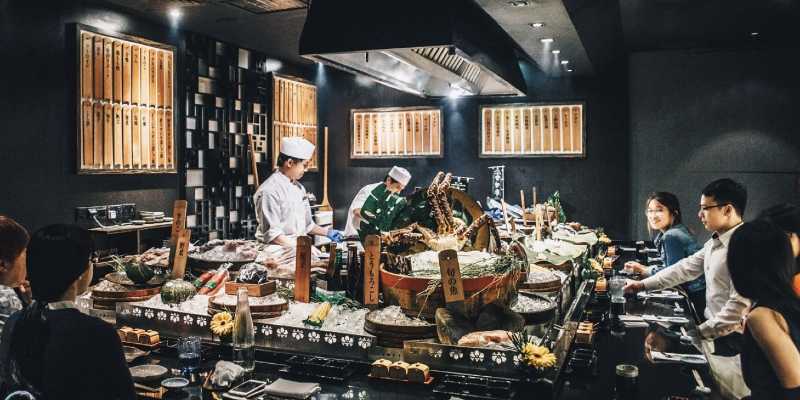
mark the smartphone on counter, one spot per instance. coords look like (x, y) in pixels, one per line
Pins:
(248, 388)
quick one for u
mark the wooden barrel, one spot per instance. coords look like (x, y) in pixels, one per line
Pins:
(394, 335)
(405, 291)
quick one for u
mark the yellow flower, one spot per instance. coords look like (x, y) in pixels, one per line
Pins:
(222, 323)
(604, 239)
(538, 356)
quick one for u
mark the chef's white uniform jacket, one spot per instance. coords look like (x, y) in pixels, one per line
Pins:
(282, 208)
(353, 222)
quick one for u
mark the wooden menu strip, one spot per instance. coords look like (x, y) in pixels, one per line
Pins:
(108, 75)
(86, 66)
(117, 84)
(108, 135)
(127, 137)
(144, 137)
(88, 134)
(372, 265)
(160, 79)
(98, 67)
(97, 144)
(168, 86)
(170, 139)
(181, 254)
(136, 132)
(144, 91)
(118, 159)
(153, 81)
(135, 74)
(452, 284)
(154, 162)
(162, 157)
(126, 72)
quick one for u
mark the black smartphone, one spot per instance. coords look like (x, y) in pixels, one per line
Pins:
(248, 388)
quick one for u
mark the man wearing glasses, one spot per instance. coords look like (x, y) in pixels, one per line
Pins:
(722, 206)
(281, 202)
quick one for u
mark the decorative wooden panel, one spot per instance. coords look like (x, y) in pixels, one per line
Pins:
(409, 132)
(533, 130)
(294, 113)
(125, 115)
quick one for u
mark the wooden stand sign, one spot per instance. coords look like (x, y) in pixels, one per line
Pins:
(181, 254)
(372, 266)
(452, 285)
(302, 270)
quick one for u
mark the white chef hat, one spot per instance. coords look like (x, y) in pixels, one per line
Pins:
(400, 174)
(297, 147)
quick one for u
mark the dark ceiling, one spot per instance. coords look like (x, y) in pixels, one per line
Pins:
(607, 29)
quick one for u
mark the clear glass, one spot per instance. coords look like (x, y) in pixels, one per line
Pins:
(615, 286)
(189, 353)
(243, 333)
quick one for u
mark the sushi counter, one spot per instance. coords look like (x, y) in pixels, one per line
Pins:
(436, 300)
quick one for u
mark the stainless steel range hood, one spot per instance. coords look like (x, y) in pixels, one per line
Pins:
(431, 48)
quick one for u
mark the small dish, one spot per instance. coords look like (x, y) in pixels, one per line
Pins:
(132, 353)
(148, 373)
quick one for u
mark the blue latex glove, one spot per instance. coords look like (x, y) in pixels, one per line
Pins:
(495, 213)
(335, 236)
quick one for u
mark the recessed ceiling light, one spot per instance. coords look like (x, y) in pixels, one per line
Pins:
(569, 69)
(556, 51)
(519, 3)
(564, 62)
(754, 33)
(536, 25)
(546, 40)
(175, 13)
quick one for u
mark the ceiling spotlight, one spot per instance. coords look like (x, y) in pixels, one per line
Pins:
(556, 51)
(519, 3)
(569, 69)
(175, 13)
(536, 25)
(754, 34)
(564, 62)
(546, 40)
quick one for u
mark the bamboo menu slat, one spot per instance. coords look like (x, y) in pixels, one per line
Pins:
(294, 113)
(396, 132)
(125, 105)
(533, 130)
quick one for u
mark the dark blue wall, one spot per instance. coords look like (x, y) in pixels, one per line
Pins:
(696, 116)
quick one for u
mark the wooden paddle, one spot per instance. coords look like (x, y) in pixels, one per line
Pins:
(326, 205)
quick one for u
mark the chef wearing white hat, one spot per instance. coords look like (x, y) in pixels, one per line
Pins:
(395, 181)
(282, 207)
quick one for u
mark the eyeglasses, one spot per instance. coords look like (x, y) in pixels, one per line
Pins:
(706, 208)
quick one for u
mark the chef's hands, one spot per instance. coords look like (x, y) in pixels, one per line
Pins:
(334, 235)
(633, 287)
(636, 267)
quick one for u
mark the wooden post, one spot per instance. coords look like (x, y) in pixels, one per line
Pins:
(510, 226)
(302, 270)
(181, 253)
(452, 285)
(372, 266)
(331, 270)
(522, 203)
(326, 205)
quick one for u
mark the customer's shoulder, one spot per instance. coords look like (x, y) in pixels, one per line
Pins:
(9, 301)
(678, 232)
(73, 319)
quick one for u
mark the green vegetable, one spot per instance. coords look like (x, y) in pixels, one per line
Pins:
(177, 291)
(138, 273)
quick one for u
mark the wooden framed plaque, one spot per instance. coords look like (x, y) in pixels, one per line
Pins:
(294, 113)
(397, 132)
(125, 104)
(533, 130)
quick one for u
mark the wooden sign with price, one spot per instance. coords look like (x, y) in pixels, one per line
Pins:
(452, 285)
(181, 254)
(302, 278)
(372, 266)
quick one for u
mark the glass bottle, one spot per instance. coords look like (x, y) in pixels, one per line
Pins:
(243, 333)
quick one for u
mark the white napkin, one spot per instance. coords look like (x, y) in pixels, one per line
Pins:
(291, 389)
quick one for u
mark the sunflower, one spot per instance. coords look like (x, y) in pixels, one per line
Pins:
(222, 324)
(538, 356)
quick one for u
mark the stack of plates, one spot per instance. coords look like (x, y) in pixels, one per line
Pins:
(152, 216)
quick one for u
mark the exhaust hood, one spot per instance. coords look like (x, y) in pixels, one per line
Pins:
(431, 48)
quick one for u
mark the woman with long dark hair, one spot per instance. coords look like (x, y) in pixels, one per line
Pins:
(51, 349)
(762, 267)
(787, 217)
(674, 243)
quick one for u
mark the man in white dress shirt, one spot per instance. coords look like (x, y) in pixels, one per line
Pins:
(395, 181)
(282, 207)
(722, 206)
